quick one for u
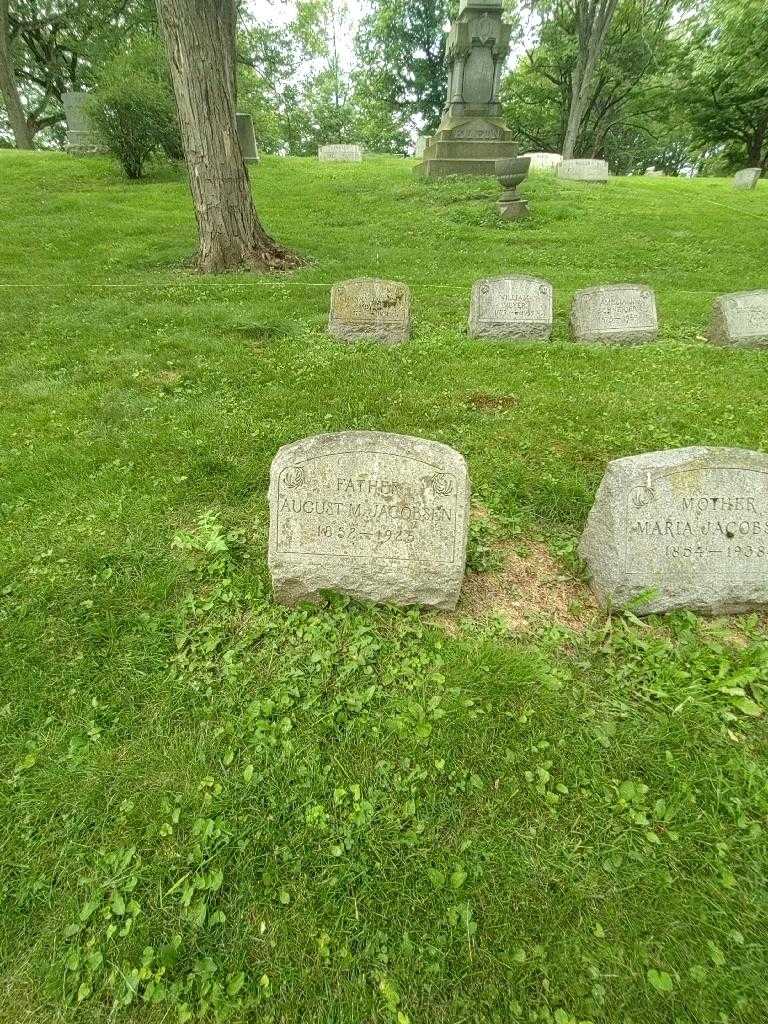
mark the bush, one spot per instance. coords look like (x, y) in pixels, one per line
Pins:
(133, 109)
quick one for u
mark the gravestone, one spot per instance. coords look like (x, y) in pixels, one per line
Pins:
(748, 178)
(341, 154)
(681, 529)
(518, 307)
(740, 320)
(421, 144)
(367, 307)
(473, 133)
(247, 138)
(583, 170)
(377, 516)
(653, 173)
(80, 135)
(544, 161)
(619, 314)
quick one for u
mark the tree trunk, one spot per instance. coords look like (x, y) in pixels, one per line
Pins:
(198, 37)
(8, 86)
(593, 20)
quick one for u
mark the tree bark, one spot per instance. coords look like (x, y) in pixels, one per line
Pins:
(9, 88)
(593, 20)
(198, 37)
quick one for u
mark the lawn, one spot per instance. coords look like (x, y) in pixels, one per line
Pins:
(213, 808)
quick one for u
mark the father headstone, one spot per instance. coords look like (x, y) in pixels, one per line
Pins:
(377, 516)
(80, 136)
(740, 320)
(247, 138)
(341, 154)
(748, 178)
(681, 529)
(544, 161)
(518, 307)
(618, 314)
(583, 170)
(367, 307)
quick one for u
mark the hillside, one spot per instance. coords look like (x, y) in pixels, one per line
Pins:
(521, 812)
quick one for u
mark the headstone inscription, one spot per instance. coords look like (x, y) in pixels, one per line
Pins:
(247, 138)
(368, 308)
(377, 516)
(80, 135)
(544, 161)
(740, 320)
(748, 178)
(618, 314)
(681, 529)
(518, 307)
(341, 154)
(583, 170)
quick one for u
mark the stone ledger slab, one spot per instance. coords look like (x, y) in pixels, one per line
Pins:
(740, 320)
(369, 308)
(380, 517)
(748, 178)
(583, 170)
(341, 154)
(684, 529)
(618, 314)
(516, 308)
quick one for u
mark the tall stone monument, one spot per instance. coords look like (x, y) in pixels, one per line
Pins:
(472, 134)
(80, 136)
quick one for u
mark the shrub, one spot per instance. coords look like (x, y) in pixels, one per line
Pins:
(133, 110)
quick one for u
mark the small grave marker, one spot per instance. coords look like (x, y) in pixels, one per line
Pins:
(341, 154)
(517, 307)
(619, 314)
(583, 170)
(740, 320)
(367, 307)
(377, 516)
(748, 178)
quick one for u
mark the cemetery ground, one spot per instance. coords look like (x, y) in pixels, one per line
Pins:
(216, 808)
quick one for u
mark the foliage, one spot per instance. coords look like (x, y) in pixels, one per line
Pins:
(215, 808)
(133, 109)
(59, 45)
(401, 53)
(724, 81)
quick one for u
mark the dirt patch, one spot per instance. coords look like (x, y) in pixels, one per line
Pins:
(531, 589)
(492, 403)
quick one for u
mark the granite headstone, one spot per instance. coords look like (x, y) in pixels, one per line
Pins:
(515, 307)
(377, 516)
(619, 314)
(583, 170)
(748, 178)
(740, 320)
(544, 161)
(340, 154)
(367, 307)
(681, 529)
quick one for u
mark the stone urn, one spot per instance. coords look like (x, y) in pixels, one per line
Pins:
(511, 173)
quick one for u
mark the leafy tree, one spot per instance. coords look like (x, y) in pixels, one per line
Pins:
(55, 46)
(400, 49)
(724, 81)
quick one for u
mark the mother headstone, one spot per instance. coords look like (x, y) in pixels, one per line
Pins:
(377, 516)
(681, 529)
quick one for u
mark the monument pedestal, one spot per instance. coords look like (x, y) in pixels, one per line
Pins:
(472, 135)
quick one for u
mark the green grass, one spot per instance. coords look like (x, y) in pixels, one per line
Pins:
(213, 808)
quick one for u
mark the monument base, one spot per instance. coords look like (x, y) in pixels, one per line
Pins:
(470, 146)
